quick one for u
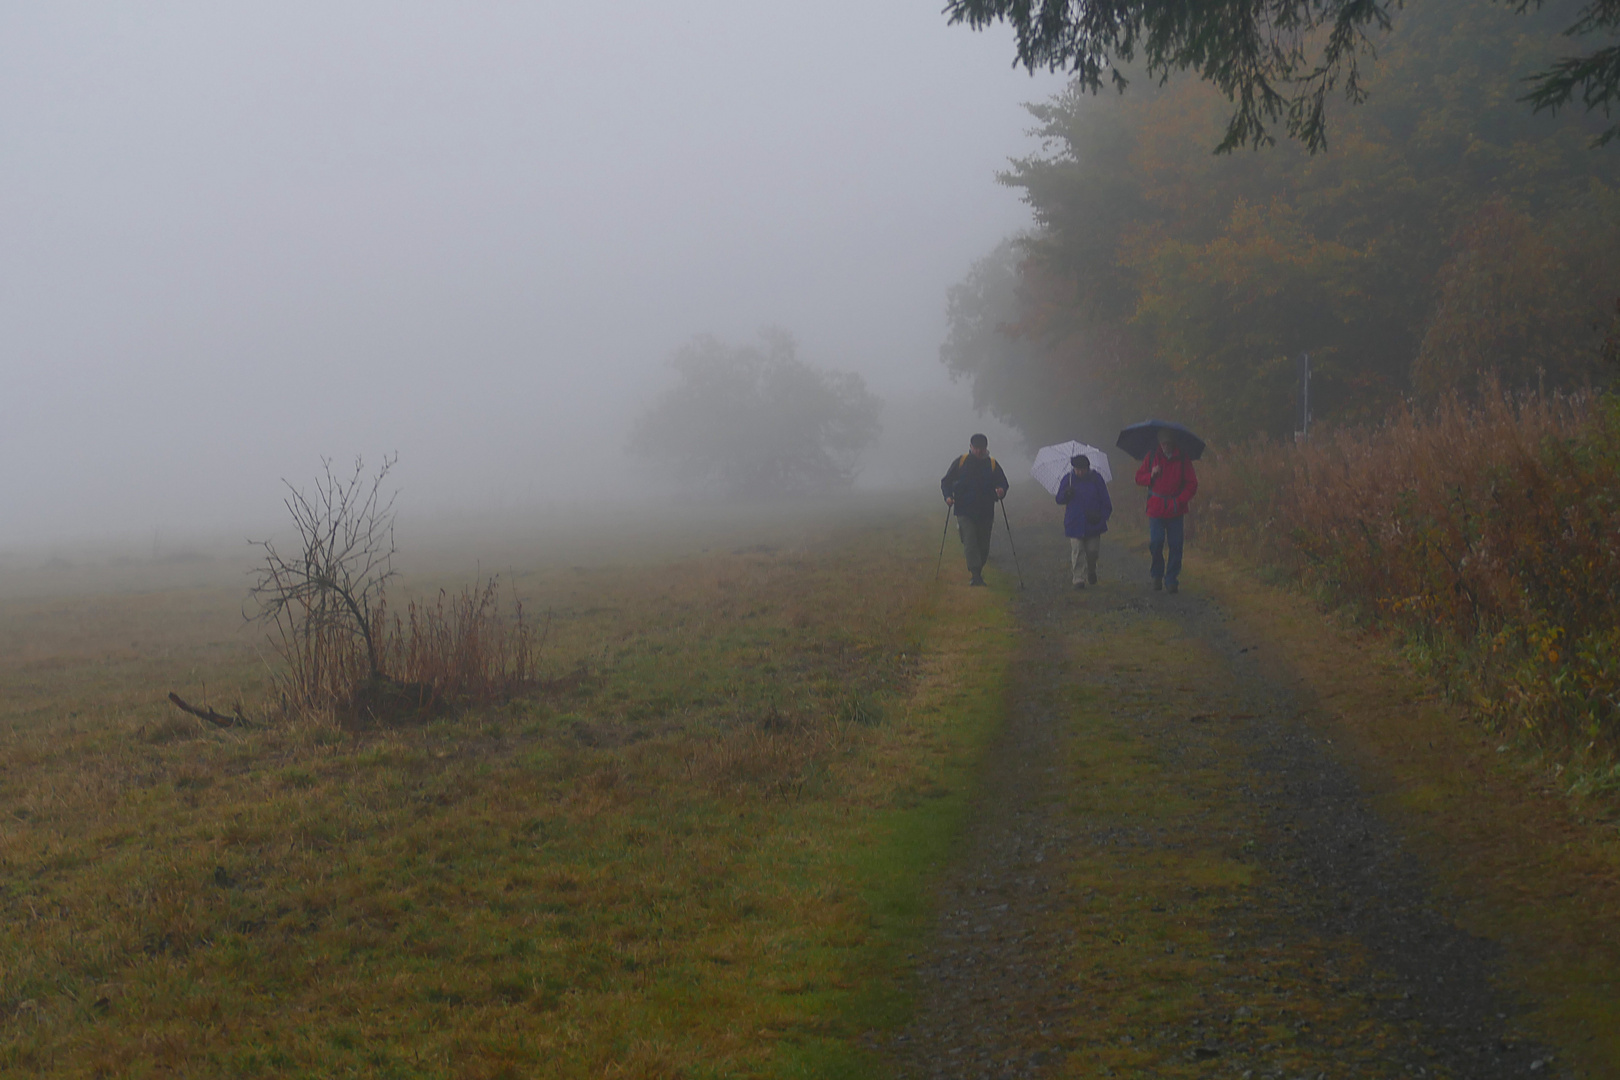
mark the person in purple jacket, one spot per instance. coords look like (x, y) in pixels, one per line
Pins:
(1086, 519)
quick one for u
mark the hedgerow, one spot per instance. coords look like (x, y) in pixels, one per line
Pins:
(1486, 534)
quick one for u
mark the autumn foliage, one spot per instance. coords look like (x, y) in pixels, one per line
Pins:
(1487, 534)
(1440, 237)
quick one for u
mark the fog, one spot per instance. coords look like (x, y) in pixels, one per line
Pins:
(239, 238)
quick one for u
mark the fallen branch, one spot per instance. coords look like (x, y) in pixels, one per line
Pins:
(218, 719)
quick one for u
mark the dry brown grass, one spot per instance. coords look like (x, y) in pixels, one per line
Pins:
(1488, 534)
(463, 645)
(461, 649)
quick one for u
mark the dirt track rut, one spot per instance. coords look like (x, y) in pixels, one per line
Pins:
(1173, 872)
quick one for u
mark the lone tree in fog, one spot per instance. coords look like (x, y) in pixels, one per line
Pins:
(755, 421)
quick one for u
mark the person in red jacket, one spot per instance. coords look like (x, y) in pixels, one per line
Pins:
(1168, 475)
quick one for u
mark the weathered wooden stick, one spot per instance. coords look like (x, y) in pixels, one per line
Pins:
(218, 719)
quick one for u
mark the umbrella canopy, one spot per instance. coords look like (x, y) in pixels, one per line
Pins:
(1138, 439)
(1051, 462)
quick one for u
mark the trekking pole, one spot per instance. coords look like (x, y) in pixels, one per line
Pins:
(1010, 543)
(942, 534)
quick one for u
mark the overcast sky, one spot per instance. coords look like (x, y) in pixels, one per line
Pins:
(239, 237)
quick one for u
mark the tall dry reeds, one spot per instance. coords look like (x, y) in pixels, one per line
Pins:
(1488, 533)
(322, 664)
(462, 646)
(459, 649)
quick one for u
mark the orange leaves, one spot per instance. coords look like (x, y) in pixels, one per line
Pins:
(1230, 314)
(1508, 305)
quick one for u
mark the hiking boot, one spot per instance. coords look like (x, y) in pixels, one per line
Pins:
(1172, 587)
(1091, 576)
(977, 580)
(1079, 586)
(1158, 583)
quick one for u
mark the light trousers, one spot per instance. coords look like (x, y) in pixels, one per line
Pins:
(1090, 545)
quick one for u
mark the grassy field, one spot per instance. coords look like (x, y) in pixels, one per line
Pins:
(700, 859)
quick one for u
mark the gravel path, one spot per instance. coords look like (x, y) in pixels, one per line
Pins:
(1334, 961)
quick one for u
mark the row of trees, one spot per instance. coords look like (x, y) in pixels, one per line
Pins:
(1445, 233)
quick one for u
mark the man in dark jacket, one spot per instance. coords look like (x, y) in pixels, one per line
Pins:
(973, 485)
(1086, 495)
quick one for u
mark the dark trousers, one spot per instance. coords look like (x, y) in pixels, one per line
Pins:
(975, 533)
(1161, 530)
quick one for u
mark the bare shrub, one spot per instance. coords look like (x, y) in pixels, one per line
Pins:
(343, 654)
(321, 601)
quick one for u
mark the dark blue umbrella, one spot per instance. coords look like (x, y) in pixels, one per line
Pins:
(1138, 439)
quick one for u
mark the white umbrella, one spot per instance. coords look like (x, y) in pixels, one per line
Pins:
(1051, 462)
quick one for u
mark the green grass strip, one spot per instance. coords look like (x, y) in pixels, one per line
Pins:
(891, 860)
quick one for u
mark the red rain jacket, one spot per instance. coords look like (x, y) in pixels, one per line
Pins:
(1177, 483)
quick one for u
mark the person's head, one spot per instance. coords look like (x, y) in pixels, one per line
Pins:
(1167, 440)
(1081, 463)
(979, 446)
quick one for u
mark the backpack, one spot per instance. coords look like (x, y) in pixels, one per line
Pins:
(963, 461)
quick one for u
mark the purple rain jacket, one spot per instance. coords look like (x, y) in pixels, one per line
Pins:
(1088, 504)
